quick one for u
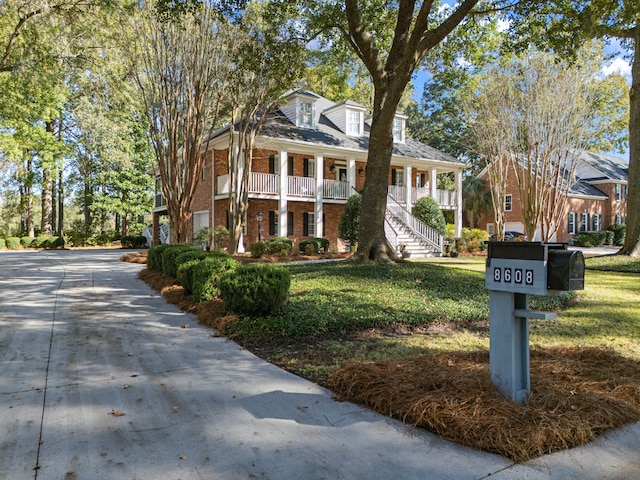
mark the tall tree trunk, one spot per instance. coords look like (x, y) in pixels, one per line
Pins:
(46, 220)
(632, 240)
(54, 208)
(372, 242)
(60, 203)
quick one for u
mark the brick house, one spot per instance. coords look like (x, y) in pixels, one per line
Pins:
(597, 199)
(308, 160)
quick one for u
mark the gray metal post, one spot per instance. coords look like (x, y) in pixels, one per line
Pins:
(509, 345)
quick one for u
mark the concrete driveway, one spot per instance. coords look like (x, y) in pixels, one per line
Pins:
(99, 380)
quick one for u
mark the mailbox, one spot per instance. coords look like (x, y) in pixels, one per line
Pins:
(514, 271)
(565, 270)
(533, 268)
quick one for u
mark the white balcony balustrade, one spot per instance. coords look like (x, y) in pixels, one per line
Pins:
(302, 186)
(335, 189)
(264, 183)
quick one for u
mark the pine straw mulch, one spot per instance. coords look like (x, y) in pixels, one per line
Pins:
(576, 393)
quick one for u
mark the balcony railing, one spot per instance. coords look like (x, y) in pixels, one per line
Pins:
(335, 189)
(302, 186)
(444, 198)
(266, 183)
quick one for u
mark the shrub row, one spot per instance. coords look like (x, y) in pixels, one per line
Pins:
(281, 247)
(14, 243)
(619, 232)
(245, 289)
(590, 239)
(133, 241)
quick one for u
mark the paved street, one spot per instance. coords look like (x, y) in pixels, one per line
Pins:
(99, 380)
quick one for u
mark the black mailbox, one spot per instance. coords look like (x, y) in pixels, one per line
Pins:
(565, 270)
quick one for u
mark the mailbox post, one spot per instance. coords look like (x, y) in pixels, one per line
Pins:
(514, 271)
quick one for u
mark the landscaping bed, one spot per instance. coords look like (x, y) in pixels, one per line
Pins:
(411, 341)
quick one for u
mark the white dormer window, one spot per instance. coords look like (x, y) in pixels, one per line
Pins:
(354, 123)
(305, 114)
(398, 130)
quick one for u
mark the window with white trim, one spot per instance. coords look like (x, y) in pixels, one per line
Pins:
(618, 219)
(571, 223)
(584, 222)
(491, 229)
(618, 192)
(354, 122)
(398, 130)
(309, 225)
(508, 203)
(305, 114)
(596, 222)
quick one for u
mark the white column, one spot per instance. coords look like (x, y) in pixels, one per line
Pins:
(458, 210)
(319, 189)
(282, 198)
(351, 165)
(408, 186)
(433, 183)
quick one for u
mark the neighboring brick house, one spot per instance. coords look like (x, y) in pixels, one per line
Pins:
(597, 199)
(309, 159)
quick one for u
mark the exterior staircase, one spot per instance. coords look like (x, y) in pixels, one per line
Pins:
(410, 236)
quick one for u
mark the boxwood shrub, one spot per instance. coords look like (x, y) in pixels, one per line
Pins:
(26, 241)
(208, 273)
(258, 249)
(133, 241)
(256, 289)
(154, 258)
(169, 255)
(317, 243)
(13, 243)
(619, 231)
(280, 247)
(184, 274)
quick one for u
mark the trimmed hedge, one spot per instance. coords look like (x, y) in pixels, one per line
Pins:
(590, 239)
(258, 249)
(317, 243)
(184, 275)
(256, 289)
(154, 257)
(26, 241)
(169, 255)
(280, 246)
(619, 232)
(13, 243)
(133, 241)
(3, 244)
(207, 275)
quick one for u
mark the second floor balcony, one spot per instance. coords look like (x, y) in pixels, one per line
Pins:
(305, 188)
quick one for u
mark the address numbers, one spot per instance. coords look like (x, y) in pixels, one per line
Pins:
(513, 275)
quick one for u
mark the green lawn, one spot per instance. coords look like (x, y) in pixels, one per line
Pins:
(341, 312)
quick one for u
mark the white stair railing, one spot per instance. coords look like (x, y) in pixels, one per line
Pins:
(430, 236)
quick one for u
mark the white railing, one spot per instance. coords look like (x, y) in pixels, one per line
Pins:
(444, 198)
(397, 193)
(335, 189)
(267, 183)
(391, 234)
(426, 233)
(302, 186)
(447, 198)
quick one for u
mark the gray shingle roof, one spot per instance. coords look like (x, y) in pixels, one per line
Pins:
(327, 134)
(607, 167)
(581, 187)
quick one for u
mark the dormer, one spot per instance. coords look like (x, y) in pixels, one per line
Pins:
(399, 128)
(348, 117)
(300, 108)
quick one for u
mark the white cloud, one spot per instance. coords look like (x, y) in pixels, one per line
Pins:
(618, 65)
